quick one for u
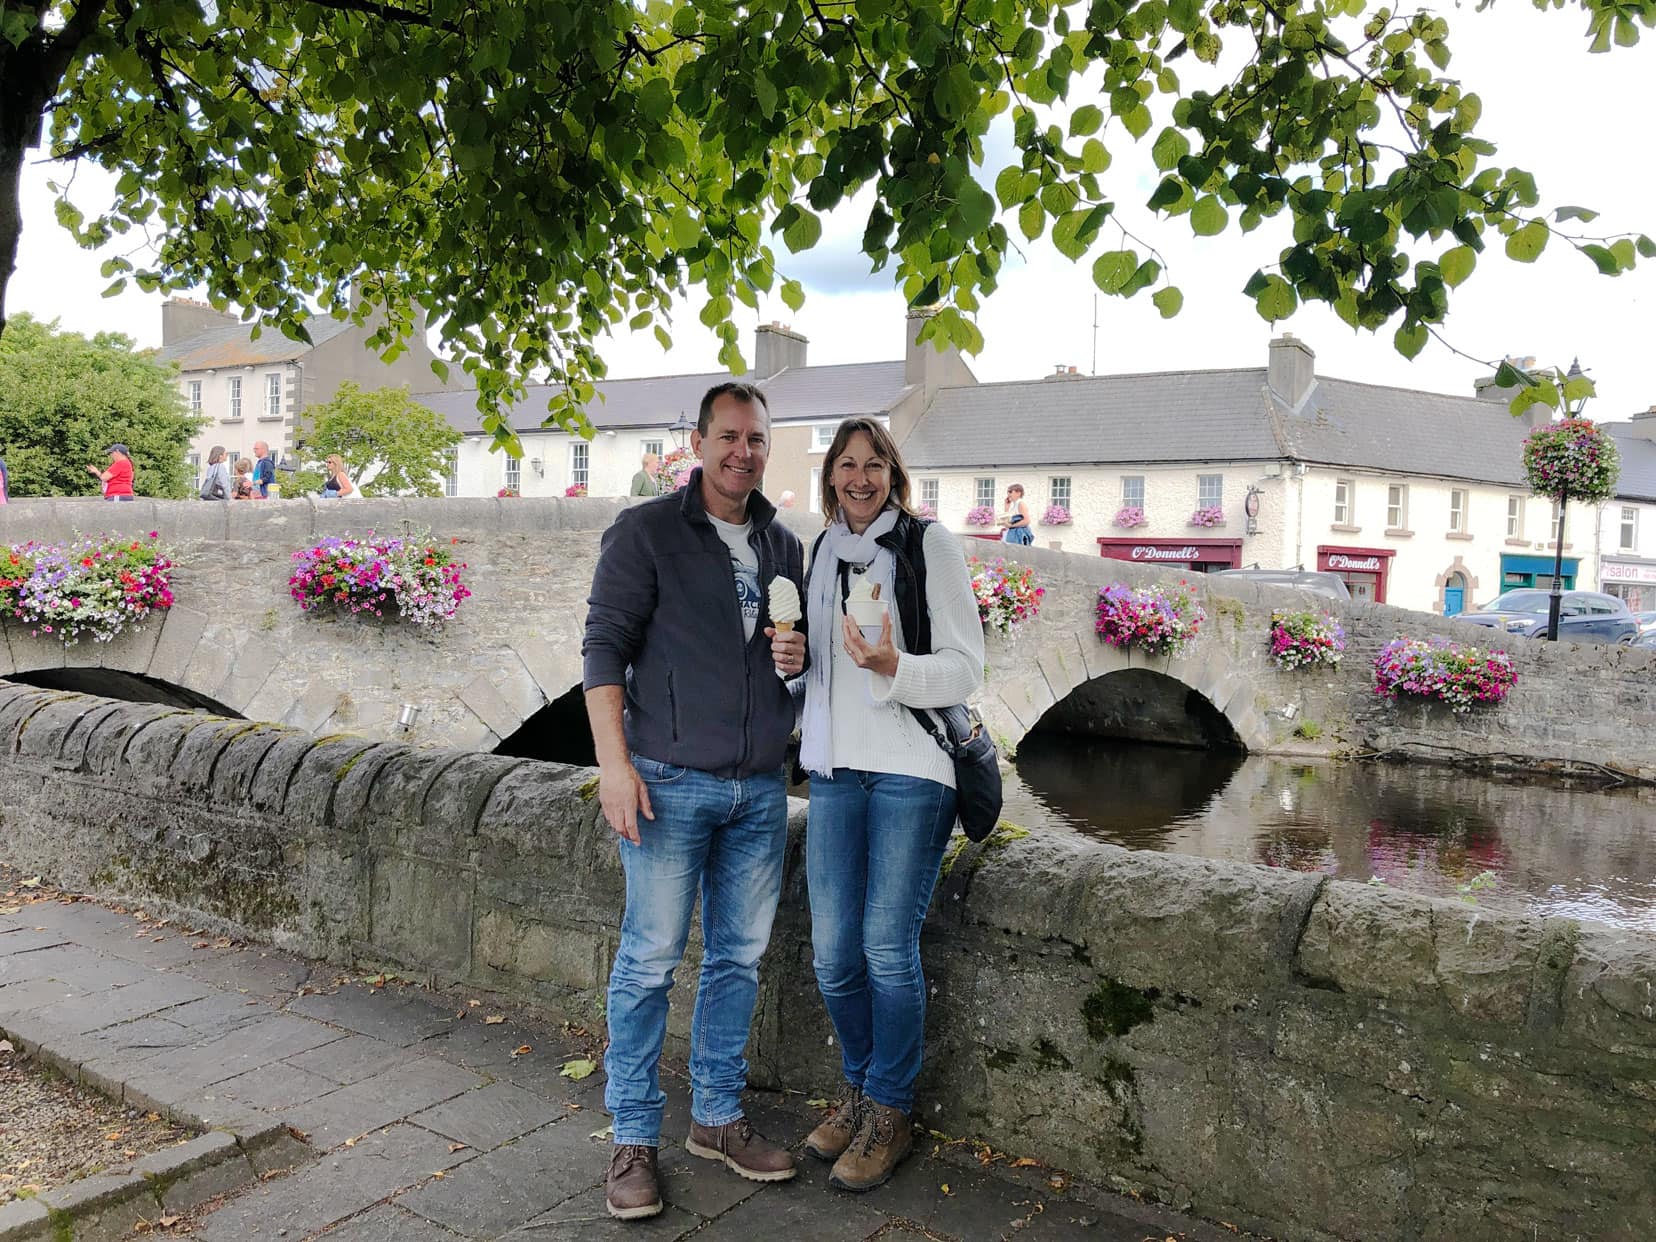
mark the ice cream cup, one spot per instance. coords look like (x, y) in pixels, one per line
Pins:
(868, 615)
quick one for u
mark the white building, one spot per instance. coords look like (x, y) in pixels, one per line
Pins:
(1414, 498)
(1627, 524)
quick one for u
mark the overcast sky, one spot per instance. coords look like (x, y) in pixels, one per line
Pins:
(1578, 122)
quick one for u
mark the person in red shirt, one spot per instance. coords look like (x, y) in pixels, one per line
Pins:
(117, 480)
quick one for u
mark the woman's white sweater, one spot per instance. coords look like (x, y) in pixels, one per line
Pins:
(872, 729)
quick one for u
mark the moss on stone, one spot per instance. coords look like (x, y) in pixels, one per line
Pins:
(588, 791)
(344, 769)
(1112, 1009)
(1002, 1059)
(1048, 1057)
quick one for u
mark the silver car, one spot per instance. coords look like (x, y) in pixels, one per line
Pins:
(1583, 616)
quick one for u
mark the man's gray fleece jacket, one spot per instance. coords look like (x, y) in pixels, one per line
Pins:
(663, 622)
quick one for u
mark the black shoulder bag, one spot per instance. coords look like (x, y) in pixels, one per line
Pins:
(961, 734)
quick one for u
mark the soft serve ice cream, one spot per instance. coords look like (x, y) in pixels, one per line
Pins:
(866, 607)
(784, 604)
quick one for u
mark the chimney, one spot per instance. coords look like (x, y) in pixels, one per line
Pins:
(1644, 424)
(777, 347)
(1292, 370)
(923, 363)
(1487, 390)
(182, 318)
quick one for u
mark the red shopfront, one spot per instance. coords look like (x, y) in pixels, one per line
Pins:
(1197, 555)
(1365, 570)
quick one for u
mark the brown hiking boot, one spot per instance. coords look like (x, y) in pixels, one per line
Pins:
(631, 1191)
(884, 1138)
(742, 1149)
(833, 1136)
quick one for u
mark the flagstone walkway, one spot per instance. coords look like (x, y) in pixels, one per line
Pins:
(428, 1117)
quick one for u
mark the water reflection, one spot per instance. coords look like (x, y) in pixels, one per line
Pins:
(1507, 845)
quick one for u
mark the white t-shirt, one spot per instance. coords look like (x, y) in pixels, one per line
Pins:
(744, 563)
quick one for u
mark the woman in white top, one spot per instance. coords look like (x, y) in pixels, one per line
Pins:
(882, 791)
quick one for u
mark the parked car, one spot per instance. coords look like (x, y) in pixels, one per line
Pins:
(1317, 581)
(1583, 616)
(1645, 641)
(1646, 620)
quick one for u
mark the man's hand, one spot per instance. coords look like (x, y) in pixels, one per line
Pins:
(623, 796)
(787, 651)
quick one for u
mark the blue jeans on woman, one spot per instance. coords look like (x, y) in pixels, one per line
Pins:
(724, 839)
(872, 854)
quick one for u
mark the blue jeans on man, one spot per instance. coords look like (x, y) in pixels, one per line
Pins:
(724, 839)
(872, 855)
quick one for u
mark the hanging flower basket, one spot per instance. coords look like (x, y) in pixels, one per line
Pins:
(1056, 515)
(1211, 515)
(1575, 459)
(413, 579)
(1006, 593)
(928, 512)
(1130, 516)
(575, 490)
(1448, 672)
(980, 515)
(1303, 639)
(1157, 620)
(95, 587)
(677, 466)
(507, 493)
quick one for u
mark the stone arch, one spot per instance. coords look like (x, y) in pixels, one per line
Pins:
(1026, 682)
(1456, 566)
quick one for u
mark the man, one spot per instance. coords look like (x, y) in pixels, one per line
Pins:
(647, 482)
(264, 470)
(690, 723)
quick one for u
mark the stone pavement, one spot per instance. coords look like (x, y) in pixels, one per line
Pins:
(429, 1117)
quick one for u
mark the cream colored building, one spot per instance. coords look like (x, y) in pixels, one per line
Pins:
(1627, 523)
(1414, 498)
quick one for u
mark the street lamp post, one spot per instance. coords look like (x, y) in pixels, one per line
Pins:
(1555, 601)
(680, 430)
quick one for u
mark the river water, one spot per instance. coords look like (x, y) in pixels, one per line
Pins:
(1503, 844)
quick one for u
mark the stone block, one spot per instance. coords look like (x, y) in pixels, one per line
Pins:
(421, 912)
(24, 1220)
(273, 776)
(289, 524)
(324, 767)
(180, 634)
(102, 1208)
(147, 763)
(486, 702)
(355, 785)
(240, 761)
(132, 649)
(1608, 996)
(274, 701)
(251, 667)
(1371, 942)
(555, 665)
(456, 798)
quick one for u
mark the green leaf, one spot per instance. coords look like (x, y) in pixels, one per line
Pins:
(1646, 246)
(1137, 120)
(1170, 147)
(1031, 219)
(1602, 259)
(793, 295)
(1168, 301)
(1527, 243)
(1170, 191)
(1086, 120)
(1584, 214)
(1276, 299)
(804, 232)
(1410, 339)
(1209, 216)
(1008, 184)
(1113, 269)
(1457, 264)
(1095, 156)
(578, 1069)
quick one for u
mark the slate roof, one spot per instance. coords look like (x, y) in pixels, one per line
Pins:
(1217, 416)
(1638, 463)
(795, 394)
(233, 345)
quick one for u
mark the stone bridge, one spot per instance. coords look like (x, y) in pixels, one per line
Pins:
(506, 675)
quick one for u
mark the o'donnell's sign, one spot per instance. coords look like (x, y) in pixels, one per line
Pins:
(1201, 555)
(1366, 570)
(1362, 564)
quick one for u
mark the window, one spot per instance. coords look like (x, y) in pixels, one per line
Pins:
(983, 492)
(1210, 491)
(1058, 491)
(1342, 502)
(1515, 517)
(822, 437)
(815, 499)
(1132, 491)
(650, 446)
(579, 455)
(1629, 529)
(928, 493)
(1397, 506)
(195, 472)
(1457, 511)
(195, 397)
(451, 476)
(273, 396)
(514, 472)
(233, 388)
(1552, 522)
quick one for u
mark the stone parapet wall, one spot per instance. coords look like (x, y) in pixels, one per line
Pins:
(1310, 1059)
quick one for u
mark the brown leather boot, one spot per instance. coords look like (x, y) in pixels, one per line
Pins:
(833, 1136)
(741, 1148)
(881, 1141)
(631, 1190)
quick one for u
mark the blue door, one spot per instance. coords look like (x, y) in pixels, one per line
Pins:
(1454, 596)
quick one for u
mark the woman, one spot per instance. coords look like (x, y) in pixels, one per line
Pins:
(1014, 517)
(117, 480)
(336, 483)
(882, 792)
(242, 488)
(215, 484)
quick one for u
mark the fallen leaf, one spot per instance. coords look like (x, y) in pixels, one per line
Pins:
(152, 1116)
(167, 1222)
(522, 1050)
(819, 1102)
(1025, 1162)
(494, 1019)
(607, 1132)
(475, 1004)
(128, 1152)
(946, 1189)
(578, 1069)
(112, 1137)
(31, 882)
(454, 1147)
(202, 944)
(439, 1174)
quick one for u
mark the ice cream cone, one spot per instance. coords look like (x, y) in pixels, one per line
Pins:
(784, 627)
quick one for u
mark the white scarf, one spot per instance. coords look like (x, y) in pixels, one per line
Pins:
(822, 611)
